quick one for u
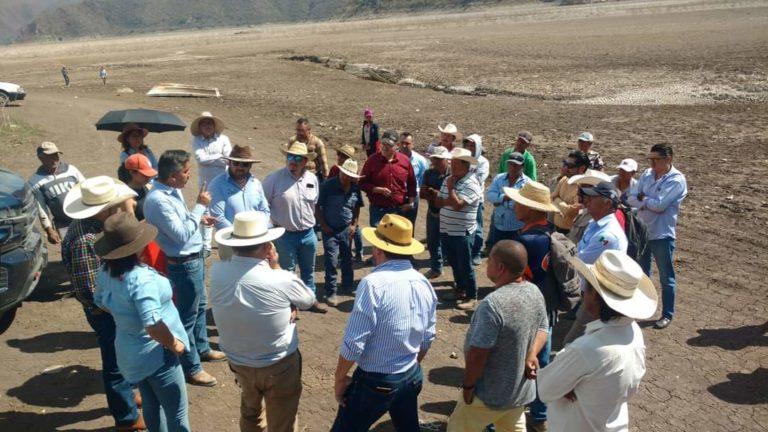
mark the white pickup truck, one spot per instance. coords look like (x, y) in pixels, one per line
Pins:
(10, 92)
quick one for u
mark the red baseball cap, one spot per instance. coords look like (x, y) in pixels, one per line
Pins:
(139, 162)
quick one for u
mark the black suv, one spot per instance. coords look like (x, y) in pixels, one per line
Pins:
(23, 253)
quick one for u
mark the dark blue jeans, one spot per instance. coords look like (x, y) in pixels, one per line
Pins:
(119, 392)
(371, 395)
(413, 213)
(496, 235)
(358, 241)
(188, 281)
(164, 398)
(662, 251)
(377, 213)
(433, 243)
(539, 408)
(337, 249)
(477, 242)
(301, 247)
(459, 252)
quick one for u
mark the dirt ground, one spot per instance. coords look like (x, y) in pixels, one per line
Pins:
(634, 73)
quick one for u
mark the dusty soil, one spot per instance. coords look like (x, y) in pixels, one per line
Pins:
(688, 72)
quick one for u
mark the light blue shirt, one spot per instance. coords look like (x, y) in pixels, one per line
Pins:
(146, 152)
(420, 165)
(227, 199)
(139, 299)
(602, 235)
(393, 318)
(504, 218)
(482, 170)
(178, 228)
(661, 204)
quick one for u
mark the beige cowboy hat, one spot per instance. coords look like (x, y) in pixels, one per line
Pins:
(590, 178)
(440, 152)
(242, 154)
(621, 283)
(298, 149)
(463, 154)
(95, 194)
(449, 128)
(123, 236)
(49, 148)
(347, 150)
(250, 228)
(394, 234)
(130, 127)
(218, 124)
(534, 195)
(349, 167)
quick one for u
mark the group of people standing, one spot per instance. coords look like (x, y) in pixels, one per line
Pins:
(136, 256)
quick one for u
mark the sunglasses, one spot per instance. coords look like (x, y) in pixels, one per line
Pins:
(241, 164)
(294, 158)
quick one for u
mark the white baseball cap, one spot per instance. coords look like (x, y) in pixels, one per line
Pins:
(628, 165)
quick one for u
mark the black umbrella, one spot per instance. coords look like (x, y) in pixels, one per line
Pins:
(151, 120)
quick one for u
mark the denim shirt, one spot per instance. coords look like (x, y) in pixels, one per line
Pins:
(338, 205)
(138, 299)
(178, 228)
(661, 205)
(228, 199)
(504, 218)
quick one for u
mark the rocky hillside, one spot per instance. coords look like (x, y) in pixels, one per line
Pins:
(15, 14)
(110, 17)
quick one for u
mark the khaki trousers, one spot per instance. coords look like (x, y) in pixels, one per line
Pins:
(475, 417)
(270, 395)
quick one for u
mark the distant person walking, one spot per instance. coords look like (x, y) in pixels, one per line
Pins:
(370, 136)
(103, 75)
(523, 142)
(65, 74)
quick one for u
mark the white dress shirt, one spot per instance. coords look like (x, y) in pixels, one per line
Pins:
(603, 368)
(210, 154)
(292, 200)
(251, 304)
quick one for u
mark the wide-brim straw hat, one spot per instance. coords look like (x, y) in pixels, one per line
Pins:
(298, 149)
(250, 228)
(394, 234)
(218, 124)
(242, 154)
(462, 154)
(347, 150)
(534, 195)
(130, 127)
(590, 177)
(349, 167)
(91, 196)
(440, 152)
(123, 236)
(621, 283)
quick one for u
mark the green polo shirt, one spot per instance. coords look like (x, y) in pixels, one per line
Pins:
(529, 163)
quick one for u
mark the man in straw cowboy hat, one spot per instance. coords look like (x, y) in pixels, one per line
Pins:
(250, 291)
(459, 199)
(180, 239)
(433, 181)
(210, 146)
(343, 153)
(338, 210)
(523, 142)
(89, 204)
(532, 204)
(589, 383)
(319, 164)
(236, 190)
(390, 330)
(292, 194)
(508, 329)
(449, 134)
(50, 184)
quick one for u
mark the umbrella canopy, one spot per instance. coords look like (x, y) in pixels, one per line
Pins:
(151, 120)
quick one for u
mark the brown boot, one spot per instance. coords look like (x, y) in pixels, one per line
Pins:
(203, 379)
(138, 425)
(213, 356)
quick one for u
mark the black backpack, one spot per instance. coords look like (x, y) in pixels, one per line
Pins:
(636, 231)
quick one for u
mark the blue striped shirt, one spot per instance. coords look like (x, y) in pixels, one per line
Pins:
(504, 217)
(392, 320)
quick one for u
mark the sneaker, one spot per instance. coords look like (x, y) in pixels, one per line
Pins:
(203, 379)
(213, 356)
(466, 305)
(476, 260)
(662, 323)
(332, 300)
(431, 274)
(138, 425)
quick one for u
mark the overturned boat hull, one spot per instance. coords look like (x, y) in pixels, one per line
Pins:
(183, 90)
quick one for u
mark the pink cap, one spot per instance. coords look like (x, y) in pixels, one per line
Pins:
(368, 112)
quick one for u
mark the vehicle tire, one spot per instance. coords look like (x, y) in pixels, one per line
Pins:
(6, 319)
(4, 98)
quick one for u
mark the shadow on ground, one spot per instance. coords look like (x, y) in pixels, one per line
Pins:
(45, 422)
(65, 388)
(450, 376)
(743, 388)
(732, 339)
(56, 342)
(445, 407)
(54, 284)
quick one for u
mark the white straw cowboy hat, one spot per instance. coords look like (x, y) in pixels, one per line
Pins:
(347, 150)
(450, 128)
(298, 149)
(250, 228)
(123, 236)
(590, 177)
(394, 234)
(621, 283)
(218, 124)
(349, 167)
(440, 152)
(534, 195)
(463, 154)
(95, 194)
